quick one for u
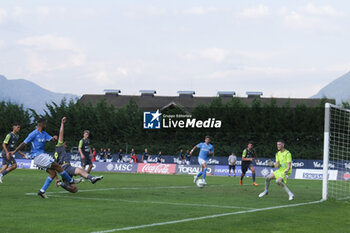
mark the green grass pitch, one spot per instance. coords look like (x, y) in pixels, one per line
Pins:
(128, 200)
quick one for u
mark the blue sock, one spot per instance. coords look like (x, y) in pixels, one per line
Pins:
(199, 174)
(65, 176)
(46, 185)
(89, 177)
(4, 172)
(204, 173)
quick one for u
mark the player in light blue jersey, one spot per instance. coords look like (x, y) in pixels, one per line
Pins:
(37, 140)
(206, 149)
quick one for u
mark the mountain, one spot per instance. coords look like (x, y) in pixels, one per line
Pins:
(29, 94)
(338, 89)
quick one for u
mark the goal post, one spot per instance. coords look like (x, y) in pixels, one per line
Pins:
(336, 153)
(326, 152)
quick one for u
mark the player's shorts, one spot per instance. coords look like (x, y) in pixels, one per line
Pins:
(280, 174)
(6, 161)
(87, 160)
(202, 161)
(43, 161)
(245, 166)
(233, 167)
(69, 169)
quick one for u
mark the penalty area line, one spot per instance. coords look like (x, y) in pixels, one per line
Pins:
(206, 217)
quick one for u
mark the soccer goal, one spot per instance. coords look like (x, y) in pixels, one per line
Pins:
(336, 153)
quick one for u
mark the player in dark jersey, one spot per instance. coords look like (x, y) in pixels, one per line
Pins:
(159, 157)
(63, 160)
(188, 157)
(101, 155)
(85, 151)
(145, 155)
(109, 155)
(182, 157)
(9, 144)
(248, 156)
(120, 156)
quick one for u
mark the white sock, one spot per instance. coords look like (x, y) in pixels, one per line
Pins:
(287, 190)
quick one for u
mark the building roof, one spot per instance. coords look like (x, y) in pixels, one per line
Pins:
(188, 103)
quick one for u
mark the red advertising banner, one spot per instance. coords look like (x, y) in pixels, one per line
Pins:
(156, 168)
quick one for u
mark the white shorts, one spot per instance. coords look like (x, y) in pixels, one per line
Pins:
(202, 161)
(43, 161)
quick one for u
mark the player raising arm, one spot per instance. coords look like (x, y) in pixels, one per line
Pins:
(63, 160)
(38, 138)
(206, 149)
(284, 163)
(9, 145)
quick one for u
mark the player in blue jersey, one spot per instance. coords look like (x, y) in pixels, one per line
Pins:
(37, 139)
(206, 149)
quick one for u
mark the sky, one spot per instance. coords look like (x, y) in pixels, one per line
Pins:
(282, 48)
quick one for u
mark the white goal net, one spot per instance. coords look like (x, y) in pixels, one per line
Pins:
(336, 158)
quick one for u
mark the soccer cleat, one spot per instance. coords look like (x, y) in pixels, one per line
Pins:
(42, 194)
(195, 179)
(204, 182)
(96, 178)
(291, 197)
(263, 194)
(1, 178)
(59, 183)
(241, 182)
(76, 181)
(255, 184)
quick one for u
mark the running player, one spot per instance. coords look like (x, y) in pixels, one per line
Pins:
(284, 163)
(247, 162)
(9, 144)
(206, 149)
(85, 151)
(38, 139)
(63, 160)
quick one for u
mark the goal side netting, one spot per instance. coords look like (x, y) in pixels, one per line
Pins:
(336, 154)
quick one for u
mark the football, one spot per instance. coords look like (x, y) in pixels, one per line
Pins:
(200, 183)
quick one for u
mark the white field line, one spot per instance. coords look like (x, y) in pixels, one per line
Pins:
(343, 199)
(206, 217)
(152, 202)
(134, 188)
(121, 188)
